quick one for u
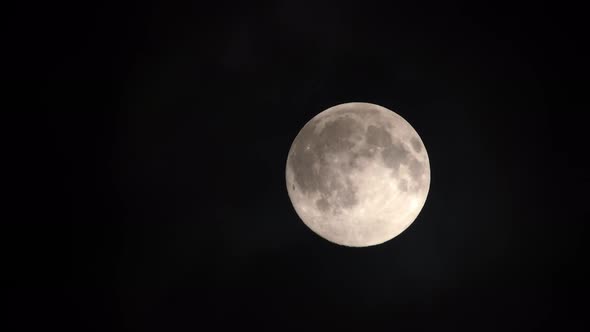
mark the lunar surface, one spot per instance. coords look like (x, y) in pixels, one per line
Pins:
(358, 174)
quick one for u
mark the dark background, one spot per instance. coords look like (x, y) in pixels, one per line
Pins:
(153, 166)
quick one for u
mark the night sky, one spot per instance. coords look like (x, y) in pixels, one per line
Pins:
(155, 167)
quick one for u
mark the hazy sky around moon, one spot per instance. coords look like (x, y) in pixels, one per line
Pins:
(358, 174)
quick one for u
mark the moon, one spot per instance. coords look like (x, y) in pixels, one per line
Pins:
(358, 174)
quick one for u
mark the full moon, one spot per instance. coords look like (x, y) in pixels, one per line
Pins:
(358, 174)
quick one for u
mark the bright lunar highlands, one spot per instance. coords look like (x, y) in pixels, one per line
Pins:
(358, 174)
